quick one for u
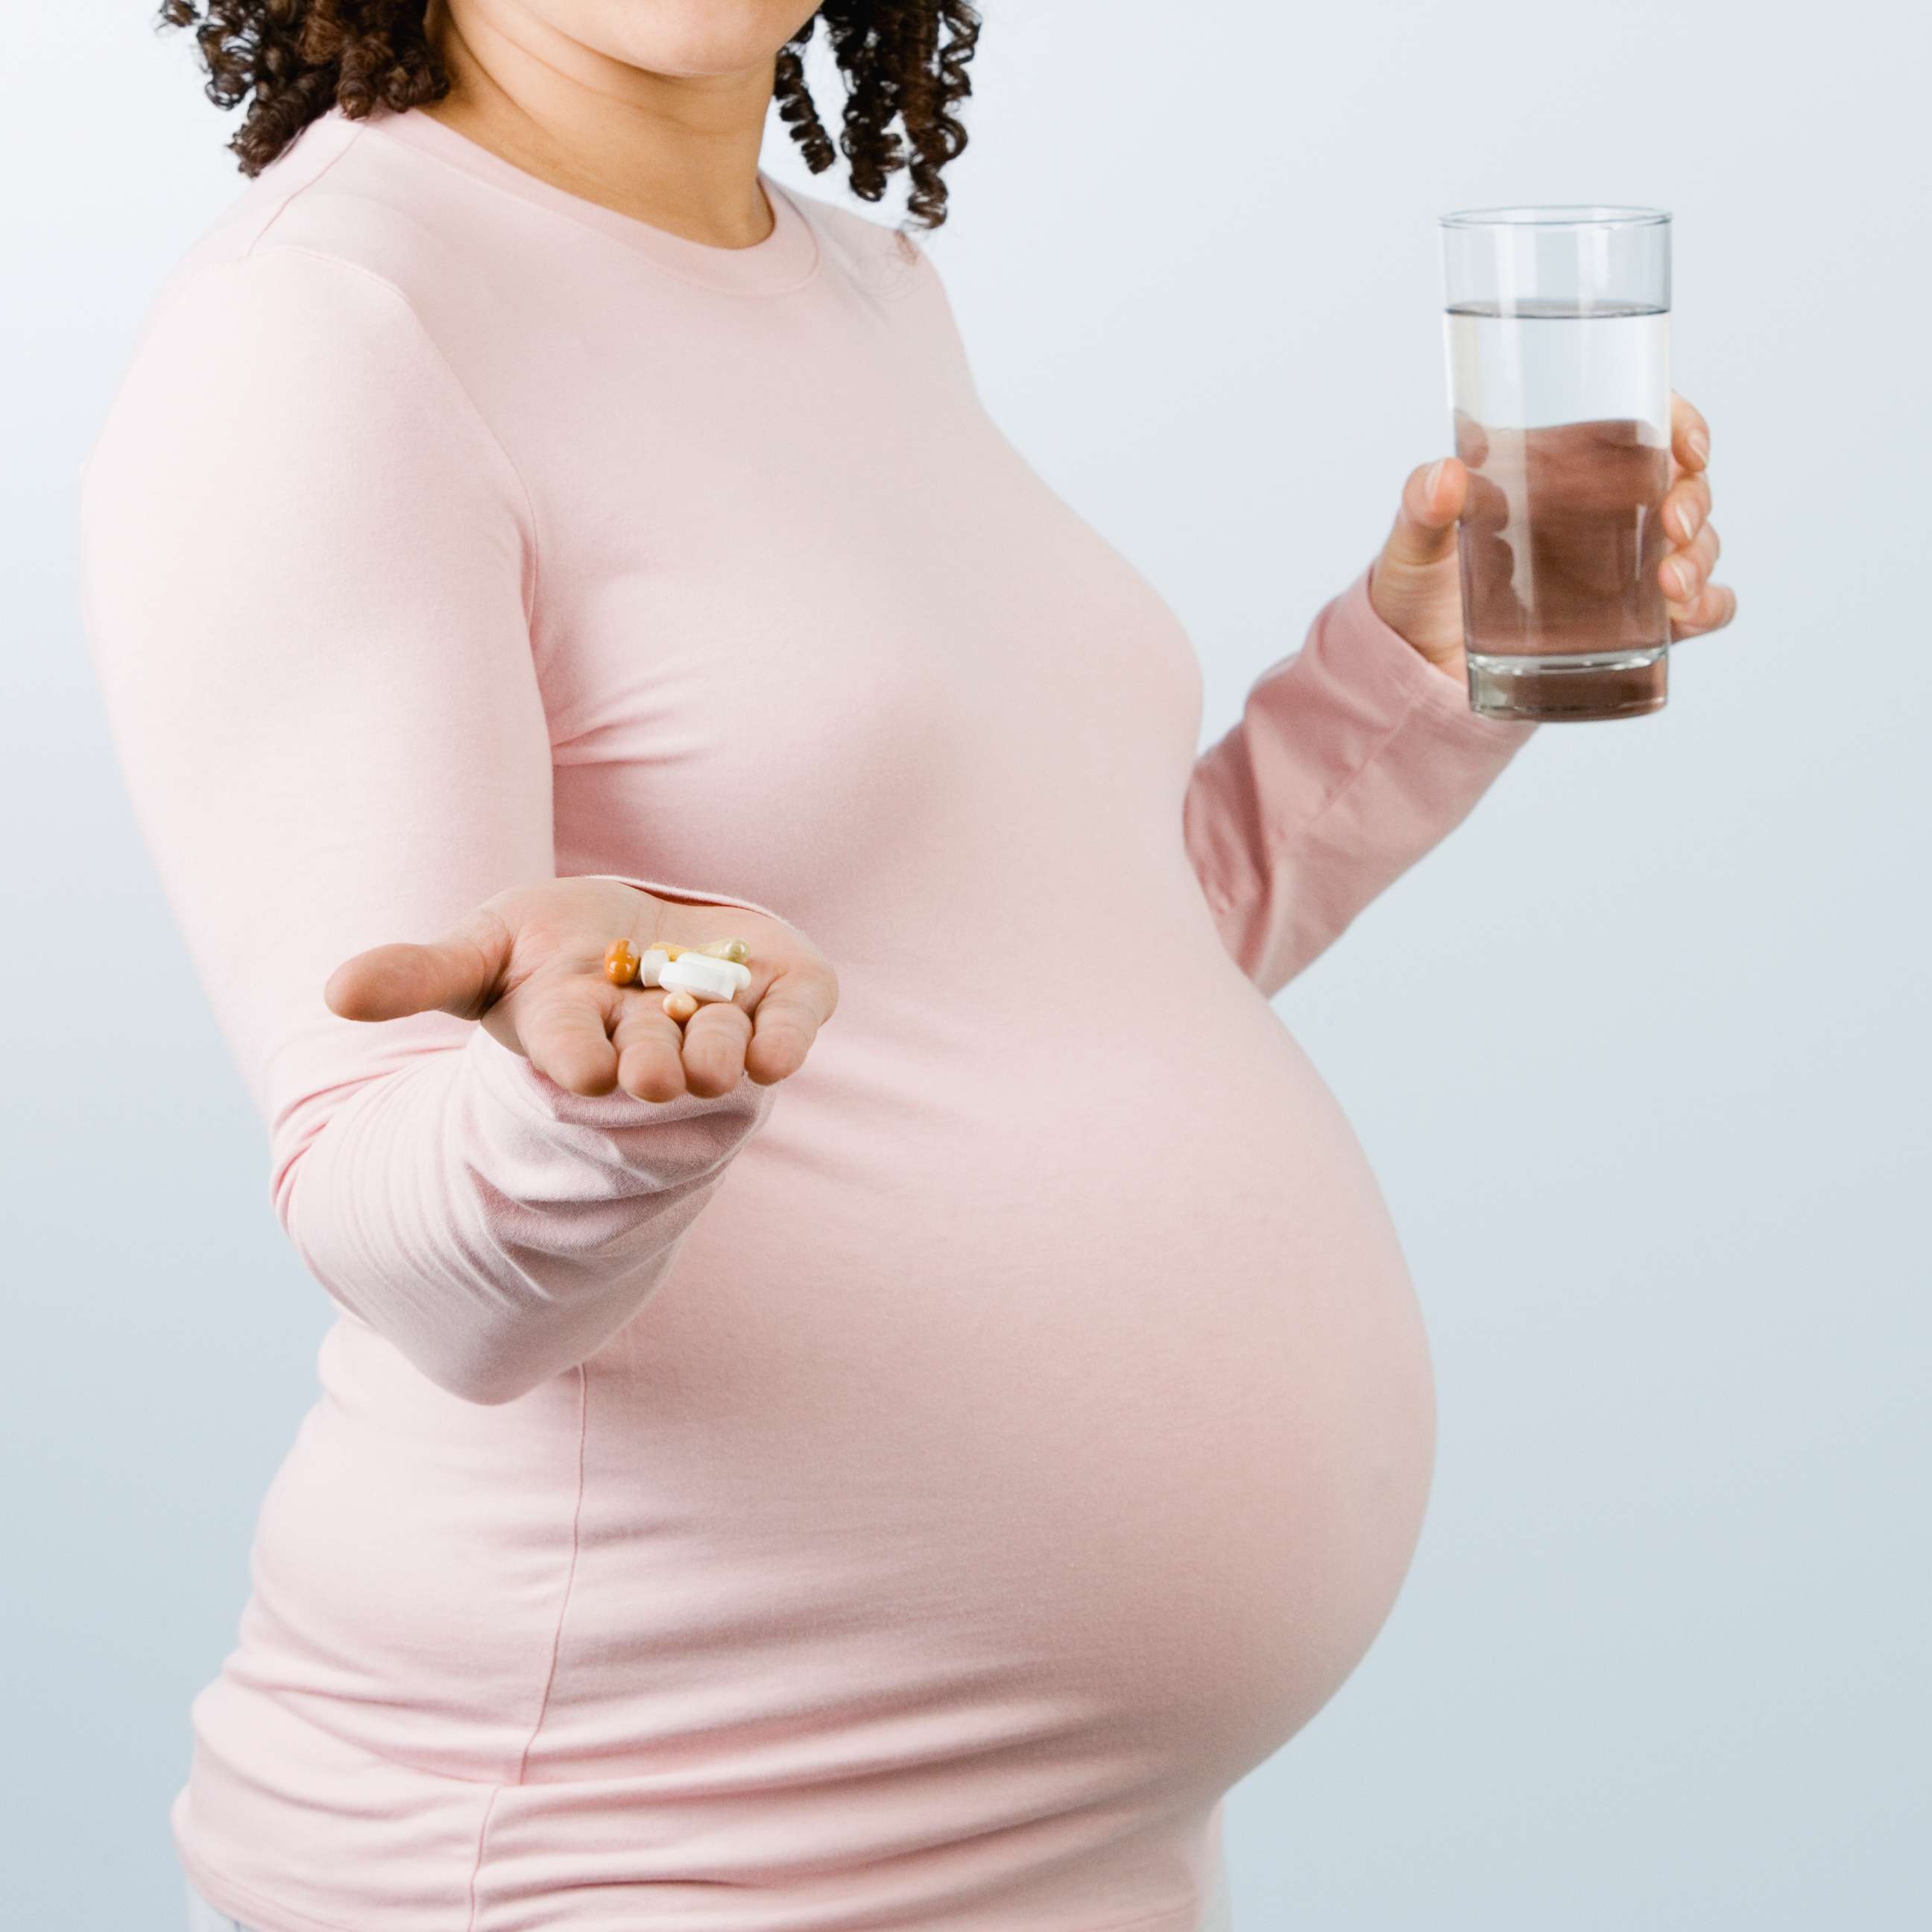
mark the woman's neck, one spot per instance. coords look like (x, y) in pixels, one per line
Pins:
(680, 151)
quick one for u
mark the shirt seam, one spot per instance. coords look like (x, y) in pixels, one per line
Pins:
(1277, 842)
(1417, 702)
(301, 188)
(1275, 845)
(556, 1646)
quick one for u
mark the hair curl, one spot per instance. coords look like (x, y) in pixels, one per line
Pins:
(292, 61)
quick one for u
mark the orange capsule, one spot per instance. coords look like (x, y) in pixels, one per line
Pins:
(680, 1007)
(620, 963)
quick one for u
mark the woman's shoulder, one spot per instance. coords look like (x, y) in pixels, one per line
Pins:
(333, 285)
(892, 270)
(387, 195)
(879, 257)
(296, 324)
(342, 197)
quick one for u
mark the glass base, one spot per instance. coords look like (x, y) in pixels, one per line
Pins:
(1554, 688)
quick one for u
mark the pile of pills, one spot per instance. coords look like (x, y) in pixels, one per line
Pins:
(689, 974)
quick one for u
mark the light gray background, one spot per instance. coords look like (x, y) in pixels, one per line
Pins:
(1639, 1054)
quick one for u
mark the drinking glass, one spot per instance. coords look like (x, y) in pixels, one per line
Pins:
(1556, 332)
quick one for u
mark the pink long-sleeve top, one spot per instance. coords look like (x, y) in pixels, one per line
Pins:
(908, 1497)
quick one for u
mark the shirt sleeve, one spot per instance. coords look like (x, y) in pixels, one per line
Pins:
(1352, 758)
(308, 570)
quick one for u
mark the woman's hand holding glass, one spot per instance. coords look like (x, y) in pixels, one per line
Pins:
(1416, 588)
(528, 965)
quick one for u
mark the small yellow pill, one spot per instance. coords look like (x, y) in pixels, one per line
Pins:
(620, 963)
(735, 950)
(680, 1007)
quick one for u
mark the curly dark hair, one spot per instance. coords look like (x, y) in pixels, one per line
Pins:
(293, 60)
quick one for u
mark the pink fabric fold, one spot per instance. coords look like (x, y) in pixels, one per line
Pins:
(1352, 758)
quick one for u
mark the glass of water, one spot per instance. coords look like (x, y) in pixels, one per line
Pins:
(1557, 333)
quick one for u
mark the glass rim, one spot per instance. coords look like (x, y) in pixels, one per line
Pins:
(1559, 215)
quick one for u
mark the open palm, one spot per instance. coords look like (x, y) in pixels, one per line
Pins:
(528, 965)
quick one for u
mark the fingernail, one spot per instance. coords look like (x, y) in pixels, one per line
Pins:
(1681, 576)
(1700, 445)
(1687, 520)
(1434, 477)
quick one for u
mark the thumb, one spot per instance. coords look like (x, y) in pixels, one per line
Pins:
(1424, 531)
(459, 973)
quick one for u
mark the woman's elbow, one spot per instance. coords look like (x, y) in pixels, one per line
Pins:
(476, 1360)
(489, 1377)
(471, 1346)
(487, 1318)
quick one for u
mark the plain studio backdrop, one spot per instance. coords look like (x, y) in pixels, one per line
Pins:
(1639, 1054)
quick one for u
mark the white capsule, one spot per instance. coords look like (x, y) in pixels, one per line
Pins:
(703, 977)
(651, 965)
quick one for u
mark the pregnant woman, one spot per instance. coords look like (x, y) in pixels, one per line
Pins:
(892, 1452)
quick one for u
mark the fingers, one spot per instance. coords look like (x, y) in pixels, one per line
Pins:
(458, 973)
(786, 1020)
(1683, 572)
(649, 1046)
(1693, 603)
(659, 1059)
(716, 1037)
(1424, 532)
(532, 972)
(562, 1029)
(723, 1042)
(1689, 434)
(1686, 504)
(1711, 609)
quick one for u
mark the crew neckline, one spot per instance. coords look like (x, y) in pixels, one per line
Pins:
(786, 259)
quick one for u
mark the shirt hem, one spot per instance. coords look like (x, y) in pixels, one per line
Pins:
(261, 1915)
(257, 1913)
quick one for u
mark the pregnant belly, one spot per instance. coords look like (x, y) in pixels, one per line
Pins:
(1089, 1358)
(1037, 1422)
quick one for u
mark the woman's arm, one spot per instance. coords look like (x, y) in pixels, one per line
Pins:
(1355, 756)
(1352, 759)
(309, 569)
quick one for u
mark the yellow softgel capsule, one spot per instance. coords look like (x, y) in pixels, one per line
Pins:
(735, 950)
(620, 963)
